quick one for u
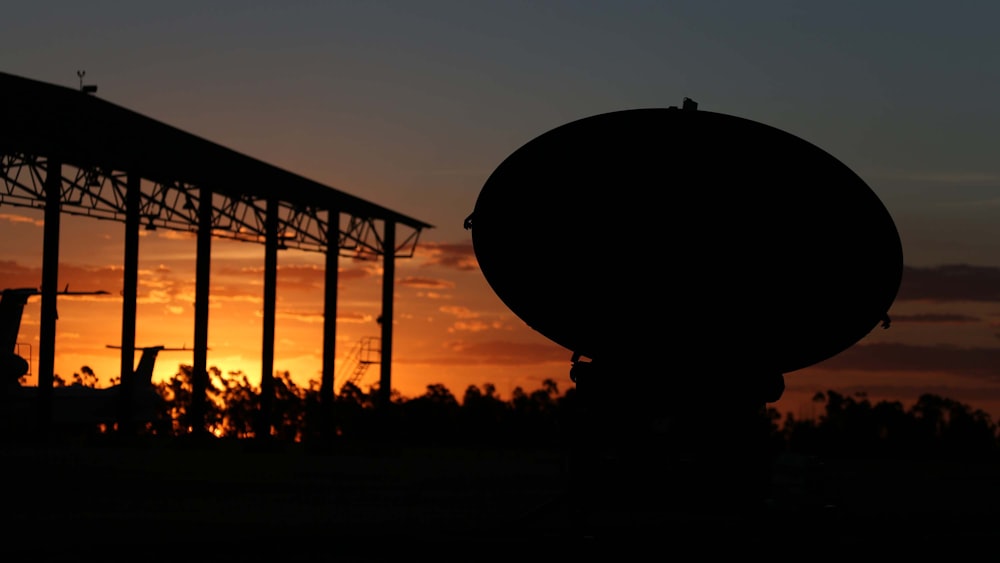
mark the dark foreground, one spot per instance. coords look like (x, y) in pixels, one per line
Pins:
(156, 503)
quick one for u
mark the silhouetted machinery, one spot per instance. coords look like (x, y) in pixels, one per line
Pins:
(693, 258)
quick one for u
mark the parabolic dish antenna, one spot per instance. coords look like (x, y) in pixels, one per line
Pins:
(705, 236)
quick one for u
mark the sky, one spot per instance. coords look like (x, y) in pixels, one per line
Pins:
(413, 105)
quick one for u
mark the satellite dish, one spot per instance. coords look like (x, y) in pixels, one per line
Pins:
(688, 234)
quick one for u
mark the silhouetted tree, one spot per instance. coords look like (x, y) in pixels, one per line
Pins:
(177, 394)
(88, 379)
(431, 417)
(934, 427)
(850, 426)
(947, 428)
(484, 416)
(240, 400)
(291, 403)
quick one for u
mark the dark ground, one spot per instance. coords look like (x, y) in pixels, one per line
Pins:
(155, 503)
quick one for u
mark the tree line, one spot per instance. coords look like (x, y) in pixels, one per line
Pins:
(848, 425)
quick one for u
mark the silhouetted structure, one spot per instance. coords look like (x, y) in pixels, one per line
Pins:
(82, 410)
(12, 302)
(701, 256)
(68, 151)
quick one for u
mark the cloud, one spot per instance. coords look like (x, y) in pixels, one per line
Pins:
(950, 283)
(471, 321)
(306, 276)
(11, 218)
(497, 352)
(936, 318)
(458, 256)
(154, 286)
(895, 357)
(304, 317)
(475, 326)
(460, 312)
(304, 273)
(364, 272)
(79, 278)
(219, 301)
(425, 283)
(952, 178)
(171, 234)
(354, 318)
(91, 278)
(13, 274)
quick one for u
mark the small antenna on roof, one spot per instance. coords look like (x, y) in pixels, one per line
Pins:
(86, 89)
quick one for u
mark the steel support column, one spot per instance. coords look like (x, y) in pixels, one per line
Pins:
(263, 429)
(330, 319)
(50, 288)
(199, 371)
(388, 277)
(130, 285)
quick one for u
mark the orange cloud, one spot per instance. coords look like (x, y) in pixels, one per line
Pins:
(13, 274)
(458, 256)
(304, 317)
(354, 318)
(432, 295)
(79, 278)
(500, 352)
(425, 283)
(473, 326)
(171, 234)
(11, 218)
(460, 312)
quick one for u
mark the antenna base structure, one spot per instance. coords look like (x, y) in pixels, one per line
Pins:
(750, 254)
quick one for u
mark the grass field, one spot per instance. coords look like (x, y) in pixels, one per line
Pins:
(202, 503)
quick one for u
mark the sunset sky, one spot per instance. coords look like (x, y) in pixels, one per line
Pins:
(412, 106)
